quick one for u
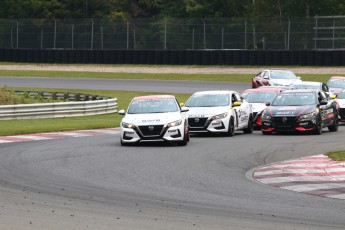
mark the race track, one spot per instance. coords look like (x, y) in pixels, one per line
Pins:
(94, 183)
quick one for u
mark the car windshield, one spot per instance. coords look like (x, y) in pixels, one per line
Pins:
(153, 106)
(295, 99)
(282, 74)
(259, 97)
(341, 95)
(336, 83)
(306, 86)
(208, 100)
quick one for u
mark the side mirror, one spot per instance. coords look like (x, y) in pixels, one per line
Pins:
(236, 103)
(268, 103)
(266, 77)
(323, 102)
(184, 109)
(122, 112)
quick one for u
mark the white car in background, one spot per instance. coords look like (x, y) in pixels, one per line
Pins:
(219, 112)
(274, 77)
(341, 105)
(154, 118)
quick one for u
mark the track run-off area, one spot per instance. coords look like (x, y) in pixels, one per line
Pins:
(92, 182)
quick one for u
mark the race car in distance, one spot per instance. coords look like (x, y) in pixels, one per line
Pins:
(258, 98)
(300, 110)
(219, 112)
(276, 77)
(313, 85)
(341, 105)
(154, 118)
(336, 84)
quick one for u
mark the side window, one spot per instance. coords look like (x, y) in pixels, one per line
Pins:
(322, 96)
(238, 97)
(233, 98)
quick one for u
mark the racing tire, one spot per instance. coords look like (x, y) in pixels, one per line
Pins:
(318, 126)
(266, 133)
(231, 129)
(335, 126)
(250, 126)
(185, 137)
(124, 143)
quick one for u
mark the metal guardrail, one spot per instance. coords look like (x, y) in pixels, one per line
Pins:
(58, 109)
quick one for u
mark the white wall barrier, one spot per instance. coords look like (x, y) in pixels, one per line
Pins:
(58, 109)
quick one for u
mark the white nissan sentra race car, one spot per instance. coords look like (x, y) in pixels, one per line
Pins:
(219, 112)
(154, 118)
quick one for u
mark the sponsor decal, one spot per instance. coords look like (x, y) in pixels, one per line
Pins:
(286, 113)
(151, 120)
(196, 115)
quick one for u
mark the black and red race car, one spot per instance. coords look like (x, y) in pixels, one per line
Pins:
(300, 110)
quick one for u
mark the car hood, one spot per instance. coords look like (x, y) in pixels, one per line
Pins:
(287, 111)
(152, 118)
(206, 111)
(258, 107)
(336, 91)
(284, 82)
(341, 103)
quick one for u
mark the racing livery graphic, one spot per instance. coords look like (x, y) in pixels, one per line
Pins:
(154, 118)
(300, 110)
(219, 112)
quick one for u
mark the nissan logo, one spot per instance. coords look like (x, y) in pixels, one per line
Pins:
(196, 120)
(151, 128)
(284, 119)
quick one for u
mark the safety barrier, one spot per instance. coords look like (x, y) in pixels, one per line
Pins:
(178, 57)
(58, 109)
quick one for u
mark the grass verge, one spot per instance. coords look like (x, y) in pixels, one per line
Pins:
(337, 155)
(151, 76)
(25, 126)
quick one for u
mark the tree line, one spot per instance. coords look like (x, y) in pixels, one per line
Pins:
(127, 9)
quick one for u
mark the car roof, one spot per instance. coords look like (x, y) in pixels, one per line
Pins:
(337, 77)
(307, 83)
(214, 92)
(154, 97)
(263, 89)
(300, 91)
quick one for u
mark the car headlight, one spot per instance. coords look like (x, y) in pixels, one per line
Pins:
(175, 123)
(308, 116)
(265, 117)
(127, 125)
(220, 116)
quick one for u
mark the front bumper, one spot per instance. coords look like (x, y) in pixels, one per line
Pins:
(141, 134)
(208, 125)
(288, 124)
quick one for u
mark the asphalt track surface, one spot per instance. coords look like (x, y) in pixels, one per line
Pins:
(94, 183)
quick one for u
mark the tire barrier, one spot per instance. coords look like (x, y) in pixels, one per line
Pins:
(177, 57)
(78, 105)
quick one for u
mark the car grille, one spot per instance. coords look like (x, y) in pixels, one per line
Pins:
(342, 112)
(197, 122)
(285, 123)
(151, 130)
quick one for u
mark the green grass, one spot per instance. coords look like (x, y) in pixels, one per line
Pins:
(337, 156)
(151, 76)
(25, 126)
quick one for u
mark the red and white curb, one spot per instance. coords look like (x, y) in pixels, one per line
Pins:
(57, 135)
(315, 175)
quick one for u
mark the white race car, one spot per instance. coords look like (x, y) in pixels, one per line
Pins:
(219, 112)
(154, 118)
